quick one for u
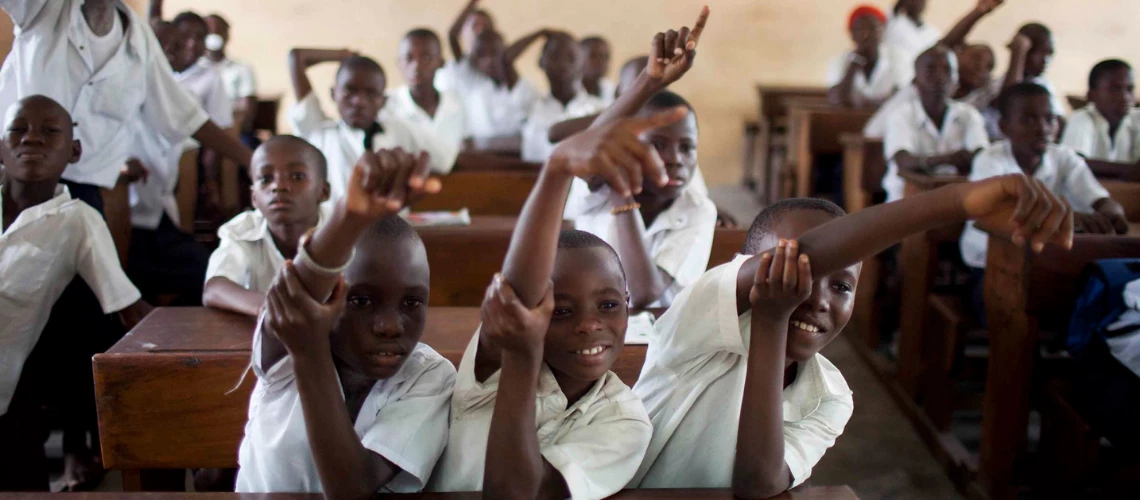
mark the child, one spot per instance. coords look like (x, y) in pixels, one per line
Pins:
(909, 35)
(561, 60)
(359, 96)
(46, 239)
(869, 74)
(348, 401)
(1037, 60)
(979, 89)
(932, 131)
(467, 26)
(419, 102)
(664, 241)
(594, 81)
(1107, 131)
(239, 79)
(289, 185)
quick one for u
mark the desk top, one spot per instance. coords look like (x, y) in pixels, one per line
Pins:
(928, 182)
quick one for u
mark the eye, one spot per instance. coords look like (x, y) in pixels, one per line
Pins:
(609, 305)
(264, 179)
(53, 130)
(843, 287)
(413, 303)
(359, 302)
(562, 312)
(688, 148)
(298, 176)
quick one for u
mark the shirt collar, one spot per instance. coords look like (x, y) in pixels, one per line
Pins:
(49, 207)
(678, 213)
(816, 379)
(253, 226)
(927, 123)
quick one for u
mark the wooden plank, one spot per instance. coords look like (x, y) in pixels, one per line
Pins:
(483, 193)
(1127, 194)
(726, 244)
(863, 170)
(816, 129)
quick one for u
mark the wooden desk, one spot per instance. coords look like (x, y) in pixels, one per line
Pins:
(726, 244)
(774, 123)
(863, 170)
(815, 128)
(1127, 194)
(483, 193)
(1023, 293)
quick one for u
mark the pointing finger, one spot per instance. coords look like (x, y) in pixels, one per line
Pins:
(698, 29)
(656, 120)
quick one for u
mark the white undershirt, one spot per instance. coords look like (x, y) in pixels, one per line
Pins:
(103, 47)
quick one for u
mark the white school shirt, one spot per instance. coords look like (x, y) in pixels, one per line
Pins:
(606, 87)
(449, 123)
(692, 384)
(1125, 347)
(343, 145)
(492, 110)
(577, 199)
(680, 238)
(1086, 131)
(548, 111)
(910, 129)
(876, 126)
(909, 40)
(246, 253)
(237, 77)
(885, 78)
(596, 443)
(1062, 170)
(52, 55)
(40, 253)
(403, 419)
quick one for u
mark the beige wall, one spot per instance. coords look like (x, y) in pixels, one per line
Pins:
(748, 41)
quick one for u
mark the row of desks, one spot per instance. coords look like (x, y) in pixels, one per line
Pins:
(802, 493)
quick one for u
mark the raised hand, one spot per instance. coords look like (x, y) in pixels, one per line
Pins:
(1020, 44)
(615, 153)
(672, 53)
(509, 325)
(384, 182)
(1021, 206)
(299, 321)
(783, 282)
(987, 6)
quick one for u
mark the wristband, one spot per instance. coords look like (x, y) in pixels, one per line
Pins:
(625, 208)
(303, 256)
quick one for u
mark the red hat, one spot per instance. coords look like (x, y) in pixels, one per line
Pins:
(865, 10)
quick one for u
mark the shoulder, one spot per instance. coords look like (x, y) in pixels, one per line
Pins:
(834, 383)
(966, 111)
(427, 365)
(246, 226)
(617, 401)
(1065, 156)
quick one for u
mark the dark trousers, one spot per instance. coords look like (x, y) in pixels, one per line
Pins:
(23, 465)
(167, 261)
(1108, 395)
(977, 290)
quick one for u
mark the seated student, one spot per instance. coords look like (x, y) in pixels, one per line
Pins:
(467, 26)
(348, 401)
(933, 131)
(47, 238)
(359, 96)
(664, 234)
(738, 353)
(867, 75)
(289, 185)
(978, 88)
(1107, 131)
(597, 52)
(238, 76)
(561, 61)
(442, 113)
(1037, 62)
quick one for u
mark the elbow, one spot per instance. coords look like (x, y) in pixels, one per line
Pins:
(756, 488)
(210, 296)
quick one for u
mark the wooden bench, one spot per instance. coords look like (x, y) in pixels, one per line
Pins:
(801, 493)
(726, 244)
(815, 128)
(771, 141)
(863, 169)
(483, 193)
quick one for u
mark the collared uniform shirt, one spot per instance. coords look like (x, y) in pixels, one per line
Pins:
(237, 77)
(51, 55)
(577, 201)
(449, 124)
(403, 419)
(547, 111)
(343, 145)
(1062, 171)
(492, 110)
(909, 40)
(911, 129)
(693, 386)
(680, 238)
(1086, 131)
(40, 253)
(596, 443)
(246, 254)
(884, 79)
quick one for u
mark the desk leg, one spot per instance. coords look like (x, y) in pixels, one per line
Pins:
(132, 480)
(853, 166)
(865, 316)
(917, 258)
(764, 173)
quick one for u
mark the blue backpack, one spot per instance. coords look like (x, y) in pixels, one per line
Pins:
(1101, 301)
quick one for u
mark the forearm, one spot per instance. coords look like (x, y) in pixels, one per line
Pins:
(645, 281)
(221, 293)
(347, 469)
(566, 128)
(760, 470)
(300, 59)
(248, 106)
(456, 30)
(842, 93)
(534, 243)
(907, 161)
(213, 137)
(154, 12)
(519, 46)
(330, 246)
(1016, 71)
(957, 35)
(514, 465)
(629, 103)
(1111, 169)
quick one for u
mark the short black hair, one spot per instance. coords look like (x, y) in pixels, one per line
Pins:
(559, 36)
(593, 39)
(190, 17)
(1019, 92)
(767, 218)
(220, 19)
(424, 34)
(1036, 32)
(357, 63)
(1104, 67)
(392, 228)
(936, 50)
(574, 238)
(321, 163)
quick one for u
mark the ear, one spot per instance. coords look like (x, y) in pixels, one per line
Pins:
(76, 151)
(325, 191)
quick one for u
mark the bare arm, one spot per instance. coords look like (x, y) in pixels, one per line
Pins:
(154, 11)
(957, 35)
(1018, 51)
(645, 280)
(213, 137)
(221, 293)
(456, 29)
(1113, 170)
(843, 93)
(566, 128)
(248, 107)
(301, 59)
(960, 159)
(519, 46)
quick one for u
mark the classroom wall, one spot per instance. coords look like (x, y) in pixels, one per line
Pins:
(747, 42)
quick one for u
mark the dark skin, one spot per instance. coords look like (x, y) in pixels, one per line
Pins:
(245, 107)
(867, 33)
(975, 67)
(1030, 125)
(915, 9)
(597, 64)
(420, 58)
(489, 57)
(358, 92)
(935, 80)
(1114, 96)
(469, 24)
(287, 188)
(562, 62)
(1039, 56)
(195, 35)
(629, 73)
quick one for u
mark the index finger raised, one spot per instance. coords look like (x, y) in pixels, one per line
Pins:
(695, 34)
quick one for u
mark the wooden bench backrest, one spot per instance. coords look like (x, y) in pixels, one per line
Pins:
(773, 99)
(483, 193)
(266, 115)
(726, 244)
(1128, 195)
(1053, 277)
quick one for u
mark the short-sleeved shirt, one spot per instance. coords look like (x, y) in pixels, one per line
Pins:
(246, 254)
(343, 145)
(607, 89)
(692, 384)
(595, 443)
(885, 78)
(449, 123)
(40, 253)
(680, 238)
(237, 77)
(876, 126)
(547, 112)
(909, 39)
(910, 129)
(403, 419)
(1062, 171)
(1086, 131)
(51, 55)
(492, 109)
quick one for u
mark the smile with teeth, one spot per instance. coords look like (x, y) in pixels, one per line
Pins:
(804, 326)
(591, 351)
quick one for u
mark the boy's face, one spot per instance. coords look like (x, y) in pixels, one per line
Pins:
(287, 184)
(172, 44)
(977, 64)
(1114, 94)
(561, 61)
(597, 59)
(587, 328)
(1039, 57)
(487, 53)
(419, 59)
(867, 33)
(194, 35)
(832, 299)
(359, 96)
(676, 144)
(386, 306)
(37, 144)
(936, 75)
(1030, 124)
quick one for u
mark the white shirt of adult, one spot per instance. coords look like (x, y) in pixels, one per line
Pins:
(449, 125)
(885, 77)
(910, 129)
(548, 111)
(493, 110)
(247, 254)
(53, 54)
(692, 384)
(909, 39)
(40, 253)
(1086, 131)
(1062, 170)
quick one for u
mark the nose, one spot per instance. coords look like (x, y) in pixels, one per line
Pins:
(670, 154)
(386, 324)
(817, 302)
(589, 325)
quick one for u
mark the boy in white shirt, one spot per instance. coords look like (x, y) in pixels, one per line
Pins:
(1107, 131)
(561, 61)
(869, 74)
(421, 55)
(931, 132)
(597, 53)
(46, 239)
(239, 79)
(359, 97)
(288, 188)
(348, 402)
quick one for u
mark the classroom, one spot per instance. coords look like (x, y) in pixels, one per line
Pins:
(467, 249)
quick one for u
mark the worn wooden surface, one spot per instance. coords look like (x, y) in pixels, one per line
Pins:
(815, 128)
(863, 170)
(483, 193)
(771, 140)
